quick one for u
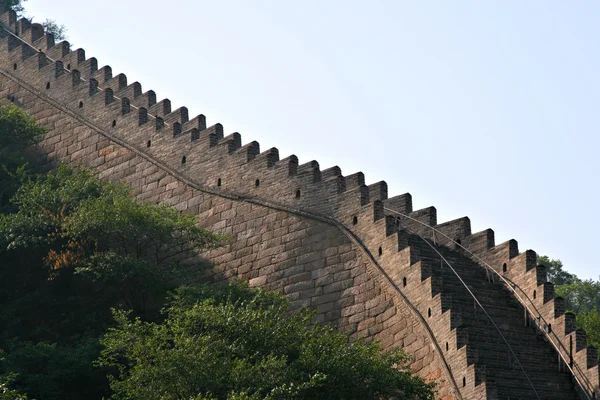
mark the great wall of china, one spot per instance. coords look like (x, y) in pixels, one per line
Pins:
(477, 317)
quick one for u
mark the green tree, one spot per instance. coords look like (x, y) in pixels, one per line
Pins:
(590, 322)
(15, 5)
(555, 272)
(8, 394)
(5, 392)
(243, 344)
(50, 26)
(73, 248)
(57, 30)
(580, 296)
(98, 230)
(18, 131)
(54, 372)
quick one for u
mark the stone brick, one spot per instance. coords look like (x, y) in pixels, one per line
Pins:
(290, 247)
(295, 287)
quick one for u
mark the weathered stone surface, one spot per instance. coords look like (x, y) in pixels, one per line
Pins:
(320, 238)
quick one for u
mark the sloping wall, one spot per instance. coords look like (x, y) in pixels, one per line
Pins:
(325, 240)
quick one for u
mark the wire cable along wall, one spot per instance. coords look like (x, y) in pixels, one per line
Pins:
(586, 385)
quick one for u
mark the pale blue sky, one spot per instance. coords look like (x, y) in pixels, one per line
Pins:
(481, 108)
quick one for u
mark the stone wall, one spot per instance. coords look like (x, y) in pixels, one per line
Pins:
(325, 240)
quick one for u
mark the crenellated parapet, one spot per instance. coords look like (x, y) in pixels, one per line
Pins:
(419, 280)
(543, 309)
(151, 126)
(404, 247)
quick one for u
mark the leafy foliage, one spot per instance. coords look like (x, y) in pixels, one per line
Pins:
(45, 204)
(581, 297)
(555, 272)
(9, 394)
(98, 230)
(590, 322)
(15, 5)
(58, 31)
(50, 26)
(74, 248)
(5, 392)
(243, 344)
(55, 372)
(69, 206)
(18, 131)
(151, 232)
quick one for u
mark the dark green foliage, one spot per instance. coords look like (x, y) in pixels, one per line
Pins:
(55, 372)
(50, 26)
(68, 206)
(156, 233)
(15, 5)
(45, 203)
(58, 31)
(555, 272)
(99, 231)
(7, 393)
(133, 280)
(590, 322)
(74, 248)
(18, 131)
(581, 297)
(238, 343)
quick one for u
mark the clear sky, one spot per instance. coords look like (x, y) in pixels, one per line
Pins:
(481, 108)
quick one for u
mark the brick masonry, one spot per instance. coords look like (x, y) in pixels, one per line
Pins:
(326, 241)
